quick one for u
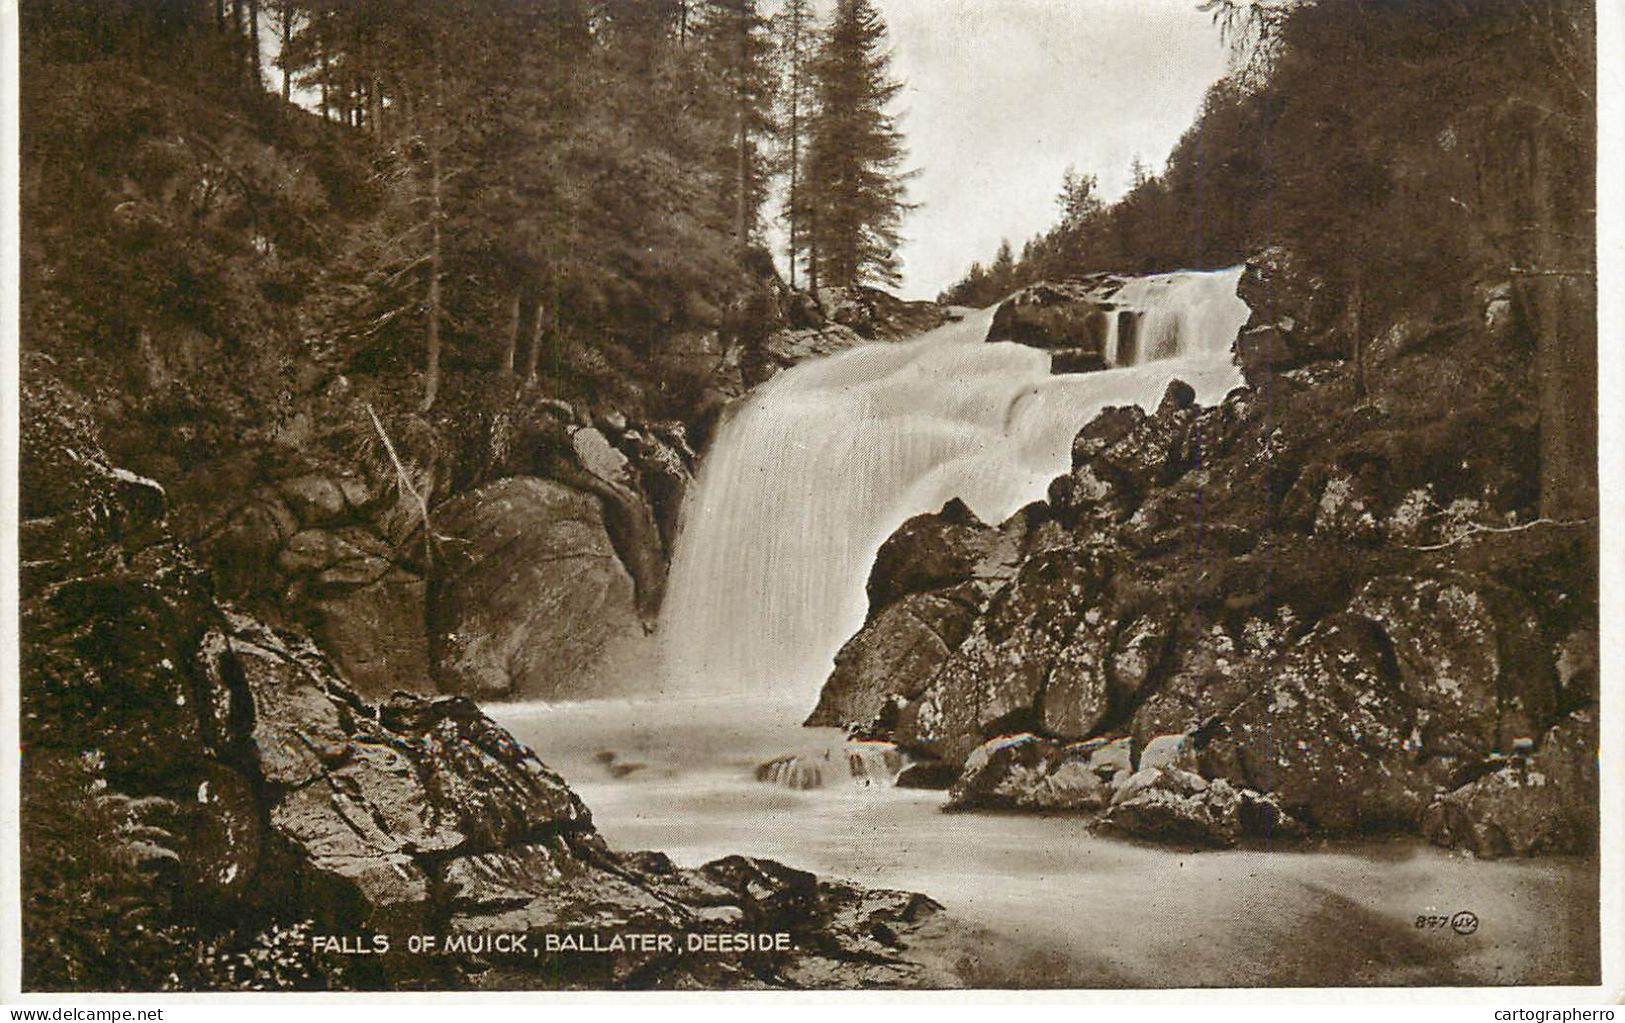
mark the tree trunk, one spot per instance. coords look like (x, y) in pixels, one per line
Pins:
(256, 67)
(795, 172)
(1563, 303)
(431, 372)
(1357, 341)
(327, 102)
(237, 33)
(812, 252)
(515, 315)
(375, 107)
(287, 39)
(742, 141)
(533, 358)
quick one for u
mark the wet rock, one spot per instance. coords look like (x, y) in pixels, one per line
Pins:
(1170, 804)
(528, 592)
(1543, 802)
(926, 774)
(1172, 751)
(929, 552)
(896, 656)
(1067, 316)
(664, 462)
(1026, 772)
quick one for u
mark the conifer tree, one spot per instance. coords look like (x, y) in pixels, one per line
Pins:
(855, 183)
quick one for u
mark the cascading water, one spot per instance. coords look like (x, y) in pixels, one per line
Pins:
(824, 461)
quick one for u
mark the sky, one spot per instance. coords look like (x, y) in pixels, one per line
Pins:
(1002, 95)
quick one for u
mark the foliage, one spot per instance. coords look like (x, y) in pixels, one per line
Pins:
(1379, 142)
(98, 910)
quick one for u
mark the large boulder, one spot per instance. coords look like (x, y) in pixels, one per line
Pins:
(527, 592)
(1026, 772)
(1331, 734)
(1170, 804)
(1070, 318)
(930, 552)
(1471, 658)
(929, 580)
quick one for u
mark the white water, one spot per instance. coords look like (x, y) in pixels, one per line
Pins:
(823, 462)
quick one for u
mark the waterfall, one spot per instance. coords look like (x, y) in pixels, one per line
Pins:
(824, 461)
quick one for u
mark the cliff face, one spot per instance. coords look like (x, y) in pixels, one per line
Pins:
(1325, 600)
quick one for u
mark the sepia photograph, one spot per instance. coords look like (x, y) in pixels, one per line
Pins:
(808, 495)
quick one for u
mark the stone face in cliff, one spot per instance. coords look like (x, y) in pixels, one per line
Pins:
(528, 590)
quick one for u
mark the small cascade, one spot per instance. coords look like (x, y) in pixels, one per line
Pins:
(824, 461)
(856, 762)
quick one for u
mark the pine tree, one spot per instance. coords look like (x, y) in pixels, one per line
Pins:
(855, 151)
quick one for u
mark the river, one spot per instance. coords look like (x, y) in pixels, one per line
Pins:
(1059, 905)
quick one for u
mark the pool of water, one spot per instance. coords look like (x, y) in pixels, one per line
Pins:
(1055, 904)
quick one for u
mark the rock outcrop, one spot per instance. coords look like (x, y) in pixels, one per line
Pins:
(1332, 585)
(1073, 320)
(527, 591)
(930, 579)
(268, 792)
(344, 556)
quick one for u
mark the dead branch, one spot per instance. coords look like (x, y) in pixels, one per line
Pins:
(405, 483)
